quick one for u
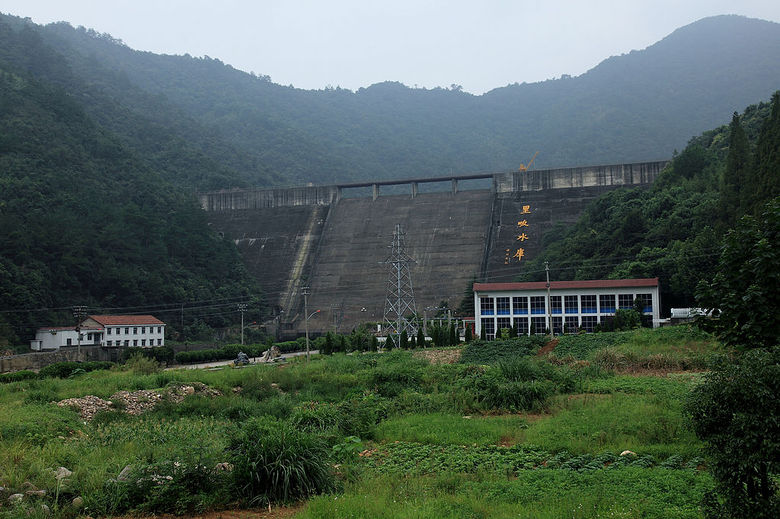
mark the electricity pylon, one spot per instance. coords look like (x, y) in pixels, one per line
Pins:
(400, 294)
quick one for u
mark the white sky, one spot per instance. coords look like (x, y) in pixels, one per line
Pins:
(479, 44)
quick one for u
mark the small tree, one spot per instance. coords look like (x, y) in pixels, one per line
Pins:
(745, 292)
(453, 335)
(404, 341)
(735, 411)
(420, 338)
(468, 335)
(374, 343)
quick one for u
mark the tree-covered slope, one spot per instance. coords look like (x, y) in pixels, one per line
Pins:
(638, 106)
(674, 230)
(84, 220)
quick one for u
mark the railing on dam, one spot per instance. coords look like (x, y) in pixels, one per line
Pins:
(502, 183)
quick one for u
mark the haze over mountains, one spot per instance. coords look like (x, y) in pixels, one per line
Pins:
(250, 131)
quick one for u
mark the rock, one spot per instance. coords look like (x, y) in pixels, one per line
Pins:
(36, 493)
(45, 509)
(62, 473)
(628, 453)
(224, 466)
(88, 406)
(77, 502)
(15, 498)
(124, 475)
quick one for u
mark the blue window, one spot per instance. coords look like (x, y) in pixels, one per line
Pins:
(625, 301)
(555, 304)
(588, 304)
(502, 305)
(537, 305)
(520, 305)
(646, 301)
(570, 303)
(486, 305)
(607, 303)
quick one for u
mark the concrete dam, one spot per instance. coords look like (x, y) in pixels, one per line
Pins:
(336, 243)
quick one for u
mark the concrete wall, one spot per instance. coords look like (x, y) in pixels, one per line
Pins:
(613, 175)
(311, 235)
(38, 360)
(268, 198)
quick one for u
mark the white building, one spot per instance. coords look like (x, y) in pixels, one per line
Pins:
(573, 305)
(104, 330)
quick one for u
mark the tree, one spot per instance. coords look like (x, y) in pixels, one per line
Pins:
(744, 295)
(735, 411)
(767, 161)
(732, 200)
(404, 341)
(468, 335)
(420, 338)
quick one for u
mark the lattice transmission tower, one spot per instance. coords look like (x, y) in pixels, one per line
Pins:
(400, 293)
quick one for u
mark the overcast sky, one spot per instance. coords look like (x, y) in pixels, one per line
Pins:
(479, 44)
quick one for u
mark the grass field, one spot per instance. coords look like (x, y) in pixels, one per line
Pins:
(500, 434)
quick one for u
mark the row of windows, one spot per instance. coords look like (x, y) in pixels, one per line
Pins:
(118, 331)
(538, 325)
(135, 342)
(585, 304)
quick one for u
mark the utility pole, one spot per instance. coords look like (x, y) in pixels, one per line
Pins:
(242, 309)
(79, 312)
(306, 316)
(549, 308)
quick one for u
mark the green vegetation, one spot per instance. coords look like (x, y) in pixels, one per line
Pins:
(673, 230)
(341, 424)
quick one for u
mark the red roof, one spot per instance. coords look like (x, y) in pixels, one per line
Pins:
(66, 328)
(125, 320)
(565, 285)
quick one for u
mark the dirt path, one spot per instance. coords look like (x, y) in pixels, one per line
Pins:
(547, 348)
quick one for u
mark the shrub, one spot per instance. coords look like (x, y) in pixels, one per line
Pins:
(17, 376)
(66, 369)
(735, 411)
(176, 487)
(143, 365)
(274, 462)
(162, 354)
(487, 352)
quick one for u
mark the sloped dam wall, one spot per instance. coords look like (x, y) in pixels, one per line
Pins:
(337, 245)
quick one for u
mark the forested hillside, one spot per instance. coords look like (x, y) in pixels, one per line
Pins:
(674, 230)
(634, 107)
(83, 218)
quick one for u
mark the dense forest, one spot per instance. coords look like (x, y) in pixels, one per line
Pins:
(634, 107)
(674, 230)
(83, 219)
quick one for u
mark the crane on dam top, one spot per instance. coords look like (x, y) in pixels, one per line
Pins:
(523, 167)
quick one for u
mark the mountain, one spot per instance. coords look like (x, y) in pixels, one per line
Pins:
(84, 218)
(639, 106)
(674, 230)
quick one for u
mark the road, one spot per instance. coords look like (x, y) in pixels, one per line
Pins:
(253, 360)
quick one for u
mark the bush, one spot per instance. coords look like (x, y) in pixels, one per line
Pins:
(142, 364)
(735, 411)
(161, 354)
(176, 487)
(488, 352)
(66, 369)
(17, 376)
(274, 462)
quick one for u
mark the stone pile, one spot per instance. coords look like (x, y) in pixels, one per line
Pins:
(136, 402)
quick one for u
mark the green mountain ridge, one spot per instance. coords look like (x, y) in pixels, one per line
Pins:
(634, 107)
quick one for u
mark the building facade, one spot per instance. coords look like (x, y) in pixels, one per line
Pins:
(140, 331)
(572, 305)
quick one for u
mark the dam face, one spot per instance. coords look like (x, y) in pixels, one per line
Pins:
(337, 246)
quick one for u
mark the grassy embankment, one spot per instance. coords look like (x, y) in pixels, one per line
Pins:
(382, 435)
